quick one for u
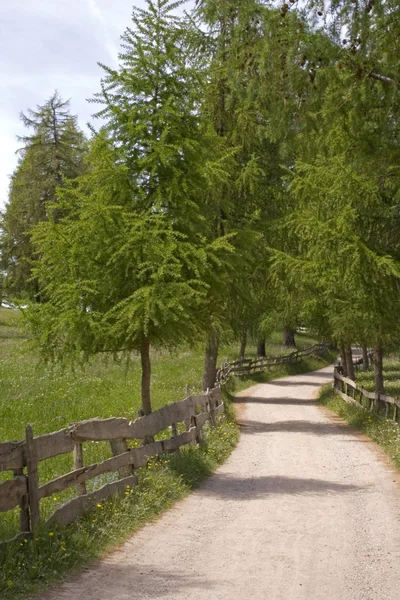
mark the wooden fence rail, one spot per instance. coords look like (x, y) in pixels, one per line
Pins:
(256, 365)
(182, 423)
(386, 407)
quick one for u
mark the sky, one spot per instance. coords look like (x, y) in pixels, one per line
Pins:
(48, 45)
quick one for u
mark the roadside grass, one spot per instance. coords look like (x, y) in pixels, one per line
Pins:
(49, 399)
(32, 565)
(386, 433)
(391, 376)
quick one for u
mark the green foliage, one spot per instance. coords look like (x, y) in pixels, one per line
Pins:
(132, 263)
(52, 154)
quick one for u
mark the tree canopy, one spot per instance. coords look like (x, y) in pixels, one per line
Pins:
(244, 175)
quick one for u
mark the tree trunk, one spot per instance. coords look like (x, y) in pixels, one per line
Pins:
(261, 347)
(343, 359)
(378, 369)
(243, 344)
(288, 337)
(210, 361)
(365, 358)
(349, 362)
(146, 375)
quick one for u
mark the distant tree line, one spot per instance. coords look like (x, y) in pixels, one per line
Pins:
(245, 174)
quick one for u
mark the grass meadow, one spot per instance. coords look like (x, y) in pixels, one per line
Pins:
(49, 399)
(391, 375)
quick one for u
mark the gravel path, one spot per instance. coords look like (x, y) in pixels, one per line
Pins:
(304, 509)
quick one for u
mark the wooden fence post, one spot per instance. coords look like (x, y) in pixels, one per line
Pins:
(33, 479)
(119, 447)
(24, 518)
(211, 403)
(78, 464)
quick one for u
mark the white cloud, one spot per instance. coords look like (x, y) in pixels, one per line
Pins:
(53, 44)
(109, 42)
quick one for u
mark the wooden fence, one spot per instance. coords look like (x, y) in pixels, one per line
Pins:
(386, 407)
(183, 422)
(249, 366)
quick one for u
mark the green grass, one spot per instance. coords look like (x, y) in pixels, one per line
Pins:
(29, 566)
(391, 376)
(383, 432)
(50, 399)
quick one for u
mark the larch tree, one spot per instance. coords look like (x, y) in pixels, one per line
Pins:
(130, 267)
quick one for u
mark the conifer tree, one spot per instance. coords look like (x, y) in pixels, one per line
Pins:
(131, 265)
(53, 153)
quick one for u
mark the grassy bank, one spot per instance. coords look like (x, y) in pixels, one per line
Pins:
(50, 399)
(383, 432)
(32, 565)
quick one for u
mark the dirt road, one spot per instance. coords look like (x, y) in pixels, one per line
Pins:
(304, 509)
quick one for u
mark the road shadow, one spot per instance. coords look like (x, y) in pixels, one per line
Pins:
(294, 426)
(115, 577)
(292, 384)
(234, 488)
(282, 400)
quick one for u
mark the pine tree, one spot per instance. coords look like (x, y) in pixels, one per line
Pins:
(52, 154)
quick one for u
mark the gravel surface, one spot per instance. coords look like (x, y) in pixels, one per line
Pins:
(304, 509)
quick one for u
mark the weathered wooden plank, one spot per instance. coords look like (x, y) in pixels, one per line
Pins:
(149, 425)
(11, 492)
(77, 507)
(119, 447)
(349, 382)
(137, 457)
(24, 516)
(181, 440)
(366, 394)
(79, 464)
(201, 419)
(12, 456)
(217, 394)
(348, 399)
(53, 444)
(387, 399)
(33, 479)
(100, 429)
(141, 455)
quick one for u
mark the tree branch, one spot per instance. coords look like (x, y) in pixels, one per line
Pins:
(383, 78)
